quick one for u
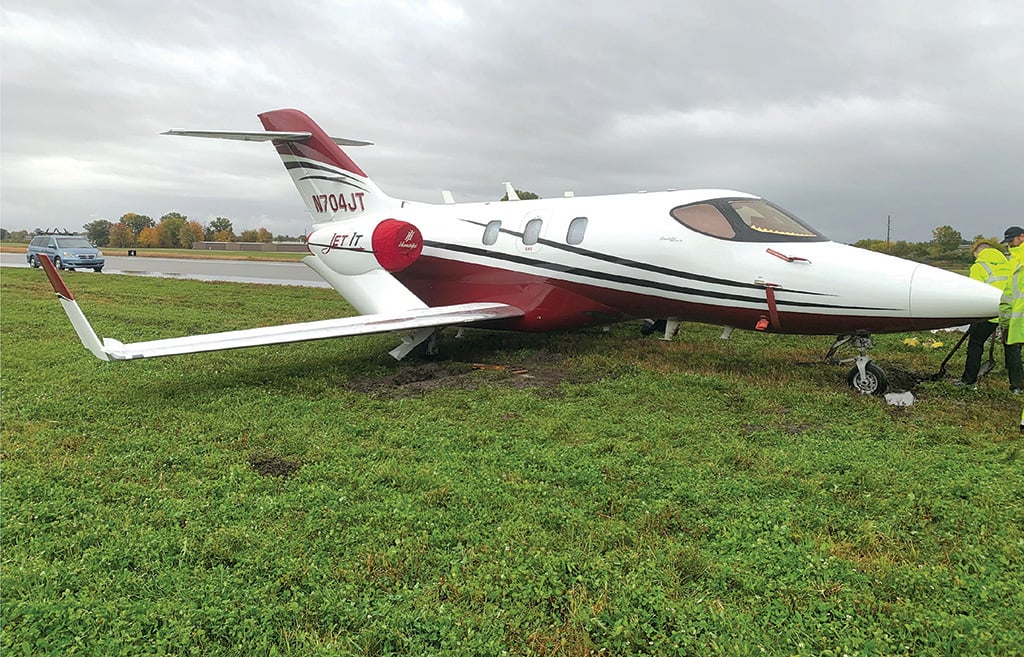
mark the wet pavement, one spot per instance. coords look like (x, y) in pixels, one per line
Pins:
(200, 269)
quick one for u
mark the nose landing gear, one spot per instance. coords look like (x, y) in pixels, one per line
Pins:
(865, 377)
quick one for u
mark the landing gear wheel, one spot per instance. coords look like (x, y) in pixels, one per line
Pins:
(428, 349)
(652, 326)
(873, 382)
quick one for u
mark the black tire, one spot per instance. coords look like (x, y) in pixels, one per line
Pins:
(57, 263)
(33, 262)
(873, 383)
(97, 269)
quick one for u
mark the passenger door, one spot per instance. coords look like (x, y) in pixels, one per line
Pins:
(533, 227)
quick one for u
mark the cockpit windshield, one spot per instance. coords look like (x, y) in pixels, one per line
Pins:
(745, 220)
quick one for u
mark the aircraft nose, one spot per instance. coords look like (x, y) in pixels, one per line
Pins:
(936, 292)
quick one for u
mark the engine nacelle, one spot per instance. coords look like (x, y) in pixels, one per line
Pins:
(357, 246)
(357, 257)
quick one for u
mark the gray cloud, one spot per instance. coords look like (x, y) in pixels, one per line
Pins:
(841, 112)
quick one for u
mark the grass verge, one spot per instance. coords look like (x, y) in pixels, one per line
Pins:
(589, 493)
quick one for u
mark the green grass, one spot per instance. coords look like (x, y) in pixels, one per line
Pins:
(624, 496)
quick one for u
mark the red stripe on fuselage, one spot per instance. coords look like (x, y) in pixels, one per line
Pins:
(553, 304)
(549, 305)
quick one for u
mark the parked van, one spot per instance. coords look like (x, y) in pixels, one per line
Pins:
(66, 252)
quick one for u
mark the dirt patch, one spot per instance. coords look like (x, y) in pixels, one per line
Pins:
(268, 465)
(413, 378)
(902, 379)
(542, 371)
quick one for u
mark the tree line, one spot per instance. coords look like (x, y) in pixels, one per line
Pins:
(172, 231)
(947, 247)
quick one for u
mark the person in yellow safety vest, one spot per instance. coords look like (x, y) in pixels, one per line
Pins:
(991, 267)
(1011, 308)
(1013, 238)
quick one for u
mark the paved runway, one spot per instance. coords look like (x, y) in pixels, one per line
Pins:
(203, 269)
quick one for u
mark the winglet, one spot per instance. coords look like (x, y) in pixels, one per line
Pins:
(55, 280)
(511, 192)
(75, 314)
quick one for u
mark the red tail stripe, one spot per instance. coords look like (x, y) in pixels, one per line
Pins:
(319, 147)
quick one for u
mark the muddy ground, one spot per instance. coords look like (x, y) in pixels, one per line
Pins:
(540, 370)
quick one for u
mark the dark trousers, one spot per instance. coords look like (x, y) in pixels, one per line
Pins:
(977, 335)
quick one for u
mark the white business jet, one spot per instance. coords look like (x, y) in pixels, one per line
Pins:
(708, 255)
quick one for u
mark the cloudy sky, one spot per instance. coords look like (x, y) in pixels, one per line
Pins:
(841, 112)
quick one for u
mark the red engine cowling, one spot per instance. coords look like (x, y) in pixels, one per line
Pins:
(357, 246)
(396, 244)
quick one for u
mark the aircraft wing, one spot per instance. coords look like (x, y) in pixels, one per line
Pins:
(418, 319)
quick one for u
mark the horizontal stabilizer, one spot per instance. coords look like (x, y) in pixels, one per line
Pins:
(420, 318)
(262, 135)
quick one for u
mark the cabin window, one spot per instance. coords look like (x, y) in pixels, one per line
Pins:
(577, 228)
(704, 218)
(491, 232)
(532, 231)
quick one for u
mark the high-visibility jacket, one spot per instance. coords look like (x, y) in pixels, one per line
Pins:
(1017, 253)
(1011, 307)
(992, 267)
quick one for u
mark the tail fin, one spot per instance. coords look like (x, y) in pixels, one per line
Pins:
(332, 186)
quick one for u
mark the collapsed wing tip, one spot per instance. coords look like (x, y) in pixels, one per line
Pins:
(55, 280)
(74, 313)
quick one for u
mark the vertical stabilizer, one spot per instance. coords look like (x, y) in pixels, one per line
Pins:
(332, 186)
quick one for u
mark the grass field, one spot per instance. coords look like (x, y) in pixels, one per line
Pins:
(602, 494)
